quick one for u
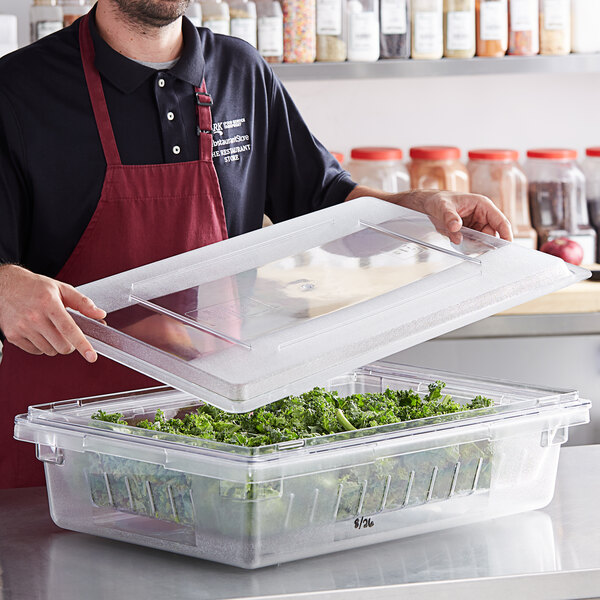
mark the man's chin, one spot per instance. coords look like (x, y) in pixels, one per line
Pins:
(153, 13)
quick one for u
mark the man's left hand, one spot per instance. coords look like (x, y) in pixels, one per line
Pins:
(452, 210)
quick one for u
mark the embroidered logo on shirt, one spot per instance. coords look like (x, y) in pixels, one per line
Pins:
(229, 144)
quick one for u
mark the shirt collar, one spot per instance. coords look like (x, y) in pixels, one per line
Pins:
(127, 75)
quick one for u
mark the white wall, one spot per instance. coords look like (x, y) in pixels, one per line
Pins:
(21, 9)
(514, 111)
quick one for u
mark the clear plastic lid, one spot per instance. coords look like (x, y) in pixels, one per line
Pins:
(249, 320)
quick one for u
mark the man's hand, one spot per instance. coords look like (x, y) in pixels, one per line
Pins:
(450, 209)
(33, 315)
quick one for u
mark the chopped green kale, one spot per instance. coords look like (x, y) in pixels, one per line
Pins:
(312, 414)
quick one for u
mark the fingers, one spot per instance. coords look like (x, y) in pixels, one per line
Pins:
(77, 301)
(70, 334)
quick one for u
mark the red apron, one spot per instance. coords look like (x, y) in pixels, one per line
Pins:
(145, 213)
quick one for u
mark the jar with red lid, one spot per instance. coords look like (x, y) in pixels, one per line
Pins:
(379, 167)
(591, 170)
(497, 175)
(557, 198)
(437, 168)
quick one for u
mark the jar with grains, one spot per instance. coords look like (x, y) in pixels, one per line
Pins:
(394, 28)
(427, 32)
(437, 168)
(242, 14)
(492, 27)
(585, 26)
(459, 28)
(379, 168)
(45, 17)
(524, 27)
(194, 13)
(215, 16)
(557, 198)
(363, 30)
(270, 30)
(73, 9)
(591, 170)
(555, 27)
(299, 31)
(331, 30)
(497, 175)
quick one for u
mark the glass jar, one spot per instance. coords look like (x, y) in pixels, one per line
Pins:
(492, 27)
(242, 20)
(557, 198)
(459, 28)
(331, 30)
(379, 168)
(215, 16)
(591, 170)
(73, 9)
(497, 175)
(363, 30)
(194, 13)
(45, 17)
(427, 29)
(8, 34)
(394, 28)
(585, 26)
(270, 30)
(299, 31)
(437, 168)
(555, 27)
(524, 27)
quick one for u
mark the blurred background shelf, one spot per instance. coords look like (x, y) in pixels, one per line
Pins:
(446, 67)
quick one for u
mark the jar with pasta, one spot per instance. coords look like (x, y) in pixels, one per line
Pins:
(242, 14)
(299, 31)
(492, 27)
(459, 28)
(555, 27)
(380, 168)
(270, 30)
(585, 26)
(437, 168)
(427, 33)
(524, 27)
(497, 175)
(394, 24)
(331, 31)
(363, 30)
(215, 16)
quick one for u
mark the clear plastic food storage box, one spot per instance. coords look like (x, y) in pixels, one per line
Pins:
(276, 312)
(252, 507)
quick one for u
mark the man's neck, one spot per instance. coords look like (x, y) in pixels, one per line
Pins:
(137, 41)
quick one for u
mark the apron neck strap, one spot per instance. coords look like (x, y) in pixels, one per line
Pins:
(204, 115)
(94, 85)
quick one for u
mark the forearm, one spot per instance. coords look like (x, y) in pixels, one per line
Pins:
(413, 199)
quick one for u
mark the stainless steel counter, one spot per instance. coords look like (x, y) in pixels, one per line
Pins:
(548, 554)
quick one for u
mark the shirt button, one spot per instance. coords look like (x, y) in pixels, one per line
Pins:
(170, 116)
(161, 83)
(176, 149)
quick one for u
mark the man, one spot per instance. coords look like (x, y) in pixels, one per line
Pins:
(126, 138)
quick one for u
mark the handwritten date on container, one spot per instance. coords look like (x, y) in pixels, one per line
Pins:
(363, 523)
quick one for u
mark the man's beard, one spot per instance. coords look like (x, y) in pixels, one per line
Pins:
(155, 13)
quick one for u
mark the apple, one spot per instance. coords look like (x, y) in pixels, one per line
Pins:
(569, 250)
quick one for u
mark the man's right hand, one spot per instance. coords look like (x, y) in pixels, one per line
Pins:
(33, 314)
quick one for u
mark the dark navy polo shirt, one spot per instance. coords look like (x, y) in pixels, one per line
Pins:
(51, 161)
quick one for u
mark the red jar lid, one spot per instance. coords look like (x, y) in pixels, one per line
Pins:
(435, 153)
(593, 151)
(338, 156)
(553, 153)
(494, 154)
(376, 153)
